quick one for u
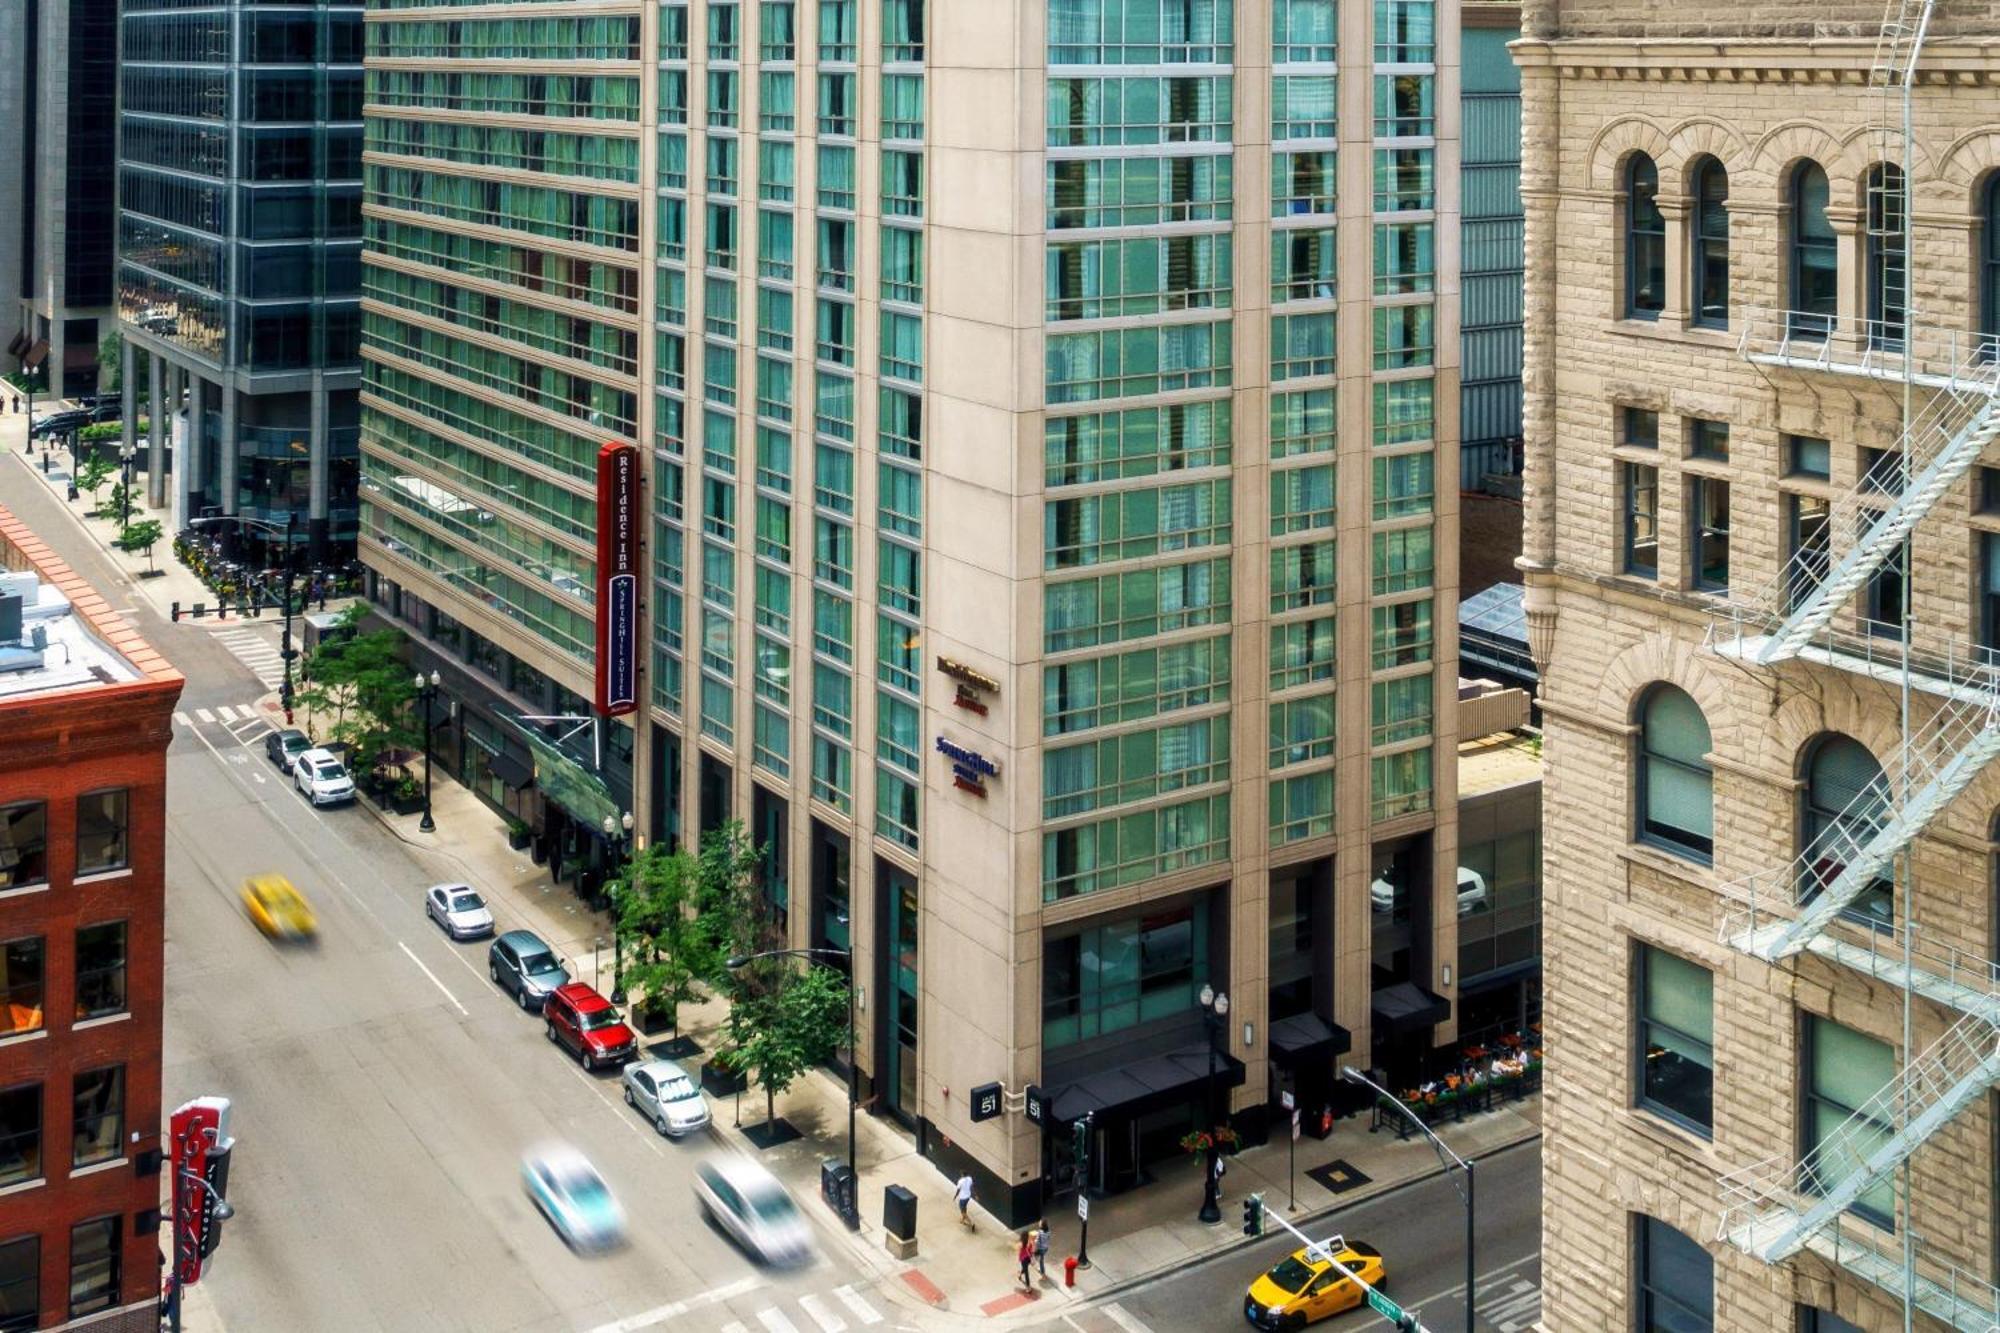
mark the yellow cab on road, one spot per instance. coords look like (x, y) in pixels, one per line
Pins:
(1303, 1289)
(278, 909)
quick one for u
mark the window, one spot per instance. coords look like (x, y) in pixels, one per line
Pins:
(1806, 538)
(1846, 804)
(1708, 439)
(1989, 269)
(1711, 245)
(1807, 457)
(23, 986)
(1402, 635)
(1708, 534)
(1639, 427)
(1815, 259)
(1639, 501)
(100, 970)
(1888, 266)
(1844, 1123)
(1401, 783)
(1116, 976)
(1301, 730)
(1676, 786)
(100, 1116)
(1400, 709)
(1645, 241)
(1676, 1029)
(1301, 652)
(20, 1284)
(23, 844)
(1402, 560)
(93, 1266)
(1882, 599)
(1989, 590)
(1676, 1281)
(1820, 1321)
(21, 1134)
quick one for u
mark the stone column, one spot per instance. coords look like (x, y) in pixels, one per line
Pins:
(228, 466)
(194, 465)
(156, 422)
(1677, 211)
(1850, 329)
(319, 455)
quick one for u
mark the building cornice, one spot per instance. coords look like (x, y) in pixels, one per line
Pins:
(1947, 63)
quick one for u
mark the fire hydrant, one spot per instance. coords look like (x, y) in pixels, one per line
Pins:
(1069, 1271)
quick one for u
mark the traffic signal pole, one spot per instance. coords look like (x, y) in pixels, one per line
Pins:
(1405, 1321)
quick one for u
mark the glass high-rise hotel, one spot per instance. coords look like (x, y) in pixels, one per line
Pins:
(1052, 410)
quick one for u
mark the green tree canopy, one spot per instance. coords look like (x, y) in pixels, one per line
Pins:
(141, 536)
(363, 680)
(790, 1029)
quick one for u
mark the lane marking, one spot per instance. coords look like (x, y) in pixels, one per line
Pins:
(828, 1321)
(434, 978)
(226, 712)
(774, 1319)
(857, 1305)
(204, 715)
(659, 1314)
(183, 718)
(1125, 1319)
(734, 1326)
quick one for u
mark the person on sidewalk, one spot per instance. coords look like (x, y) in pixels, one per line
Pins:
(1219, 1167)
(963, 1193)
(1026, 1254)
(1042, 1247)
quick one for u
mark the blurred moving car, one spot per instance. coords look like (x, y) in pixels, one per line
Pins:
(1303, 1289)
(460, 910)
(283, 748)
(278, 909)
(567, 1190)
(748, 1202)
(519, 962)
(323, 778)
(581, 1020)
(662, 1092)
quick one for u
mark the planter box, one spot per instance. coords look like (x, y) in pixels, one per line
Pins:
(651, 1023)
(720, 1082)
(518, 840)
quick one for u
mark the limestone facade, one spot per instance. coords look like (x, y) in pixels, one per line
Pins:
(1759, 88)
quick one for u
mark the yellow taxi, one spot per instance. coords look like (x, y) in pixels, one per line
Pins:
(1303, 1289)
(278, 909)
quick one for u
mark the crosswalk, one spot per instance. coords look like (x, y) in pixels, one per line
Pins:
(229, 715)
(1518, 1307)
(837, 1310)
(256, 650)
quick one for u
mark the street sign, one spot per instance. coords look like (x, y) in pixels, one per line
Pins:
(1285, 1100)
(1083, 1207)
(1036, 1106)
(986, 1102)
(1295, 1126)
(1385, 1307)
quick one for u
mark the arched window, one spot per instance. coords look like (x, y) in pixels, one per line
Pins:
(1815, 259)
(1645, 241)
(1676, 785)
(1846, 801)
(1888, 267)
(1711, 245)
(1989, 269)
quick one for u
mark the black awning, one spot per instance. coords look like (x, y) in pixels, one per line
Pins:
(36, 355)
(511, 769)
(1307, 1039)
(1145, 1084)
(1405, 1007)
(19, 344)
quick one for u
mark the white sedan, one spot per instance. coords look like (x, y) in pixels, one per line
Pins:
(322, 777)
(662, 1092)
(459, 910)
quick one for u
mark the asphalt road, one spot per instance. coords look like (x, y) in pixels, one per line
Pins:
(1420, 1230)
(383, 1090)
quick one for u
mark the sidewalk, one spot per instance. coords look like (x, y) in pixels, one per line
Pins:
(959, 1277)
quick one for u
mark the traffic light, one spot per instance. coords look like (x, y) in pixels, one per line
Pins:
(1253, 1215)
(216, 1172)
(1080, 1139)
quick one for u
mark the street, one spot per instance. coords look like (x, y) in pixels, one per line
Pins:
(1420, 1230)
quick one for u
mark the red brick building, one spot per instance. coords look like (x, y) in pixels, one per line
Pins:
(86, 711)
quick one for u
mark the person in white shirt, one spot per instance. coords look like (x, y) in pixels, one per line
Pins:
(964, 1196)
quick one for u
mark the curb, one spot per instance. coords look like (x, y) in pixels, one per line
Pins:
(1241, 1242)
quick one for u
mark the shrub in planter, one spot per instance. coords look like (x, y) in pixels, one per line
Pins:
(718, 1079)
(517, 834)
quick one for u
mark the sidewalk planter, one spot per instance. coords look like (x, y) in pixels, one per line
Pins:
(718, 1080)
(517, 834)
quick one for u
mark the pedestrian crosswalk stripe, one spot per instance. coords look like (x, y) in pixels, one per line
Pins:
(1125, 1319)
(734, 1326)
(227, 712)
(828, 1321)
(183, 718)
(204, 715)
(775, 1320)
(857, 1305)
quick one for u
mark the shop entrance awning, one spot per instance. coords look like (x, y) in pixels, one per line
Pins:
(511, 769)
(1143, 1085)
(1406, 1007)
(1308, 1039)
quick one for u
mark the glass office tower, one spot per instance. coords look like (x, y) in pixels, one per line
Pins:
(1052, 410)
(239, 260)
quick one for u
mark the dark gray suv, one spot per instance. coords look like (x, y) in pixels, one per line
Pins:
(521, 964)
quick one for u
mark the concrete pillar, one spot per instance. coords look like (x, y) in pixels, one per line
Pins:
(192, 478)
(156, 422)
(228, 467)
(319, 459)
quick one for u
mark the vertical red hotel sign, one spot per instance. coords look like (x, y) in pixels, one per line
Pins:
(618, 528)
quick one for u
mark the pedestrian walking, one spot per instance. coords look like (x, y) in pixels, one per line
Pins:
(17, 402)
(963, 1193)
(1042, 1248)
(1220, 1167)
(1026, 1254)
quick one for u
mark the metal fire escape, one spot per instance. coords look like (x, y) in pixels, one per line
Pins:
(1951, 396)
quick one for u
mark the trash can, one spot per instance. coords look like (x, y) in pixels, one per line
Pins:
(899, 1212)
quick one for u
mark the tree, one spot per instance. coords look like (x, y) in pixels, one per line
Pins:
(790, 1030)
(364, 681)
(727, 917)
(93, 473)
(141, 536)
(656, 926)
(119, 502)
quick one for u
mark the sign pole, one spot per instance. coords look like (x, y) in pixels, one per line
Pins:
(1083, 1194)
(1290, 1103)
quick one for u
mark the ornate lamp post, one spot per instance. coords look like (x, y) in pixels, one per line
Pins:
(617, 837)
(1214, 1013)
(427, 688)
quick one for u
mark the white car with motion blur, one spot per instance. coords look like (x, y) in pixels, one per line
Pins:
(747, 1201)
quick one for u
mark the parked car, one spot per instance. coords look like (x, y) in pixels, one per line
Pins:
(567, 1190)
(284, 747)
(748, 1203)
(105, 408)
(278, 909)
(661, 1091)
(460, 910)
(1304, 1287)
(583, 1022)
(1472, 892)
(59, 422)
(322, 777)
(520, 963)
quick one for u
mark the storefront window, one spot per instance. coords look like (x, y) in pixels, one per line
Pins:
(1115, 976)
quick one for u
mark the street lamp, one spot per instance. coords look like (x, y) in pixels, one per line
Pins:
(1214, 1014)
(125, 455)
(846, 957)
(1449, 1158)
(427, 688)
(617, 836)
